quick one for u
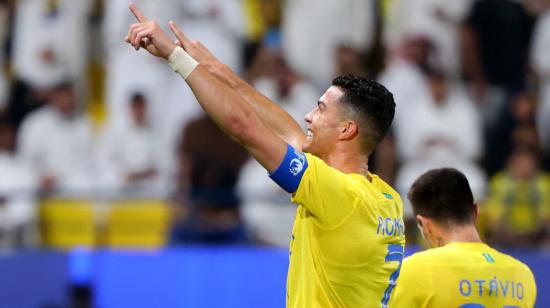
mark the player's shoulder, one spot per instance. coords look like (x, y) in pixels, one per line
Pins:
(312, 159)
(358, 184)
(427, 256)
(387, 190)
(511, 261)
(38, 120)
(416, 264)
(42, 114)
(438, 256)
(322, 169)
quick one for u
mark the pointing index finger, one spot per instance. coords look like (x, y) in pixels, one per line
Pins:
(177, 32)
(137, 13)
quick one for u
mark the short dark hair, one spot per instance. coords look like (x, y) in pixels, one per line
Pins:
(138, 97)
(372, 102)
(64, 85)
(443, 195)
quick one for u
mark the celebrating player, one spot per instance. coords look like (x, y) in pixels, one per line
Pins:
(348, 236)
(460, 271)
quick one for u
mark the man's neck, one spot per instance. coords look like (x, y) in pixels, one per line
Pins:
(463, 234)
(348, 161)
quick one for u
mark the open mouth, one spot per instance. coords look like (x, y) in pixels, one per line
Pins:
(309, 134)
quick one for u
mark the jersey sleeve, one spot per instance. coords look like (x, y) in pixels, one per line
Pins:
(414, 285)
(327, 193)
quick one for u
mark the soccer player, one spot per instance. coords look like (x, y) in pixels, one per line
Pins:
(460, 270)
(348, 236)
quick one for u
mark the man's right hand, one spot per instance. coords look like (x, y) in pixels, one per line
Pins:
(195, 49)
(149, 35)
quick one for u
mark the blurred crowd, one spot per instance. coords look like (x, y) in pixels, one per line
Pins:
(83, 115)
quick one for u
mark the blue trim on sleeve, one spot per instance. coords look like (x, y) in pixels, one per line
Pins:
(289, 173)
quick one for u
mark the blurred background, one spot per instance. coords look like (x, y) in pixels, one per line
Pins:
(117, 191)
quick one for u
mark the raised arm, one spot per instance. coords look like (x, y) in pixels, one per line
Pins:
(233, 114)
(270, 113)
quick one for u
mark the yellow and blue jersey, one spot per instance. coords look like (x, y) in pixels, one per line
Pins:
(522, 206)
(464, 275)
(347, 240)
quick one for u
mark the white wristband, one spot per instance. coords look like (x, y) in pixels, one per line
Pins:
(181, 62)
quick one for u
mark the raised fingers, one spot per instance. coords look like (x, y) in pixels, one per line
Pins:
(127, 39)
(137, 13)
(141, 37)
(136, 34)
(130, 38)
(184, 41)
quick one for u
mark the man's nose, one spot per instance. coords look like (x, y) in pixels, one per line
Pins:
(308, 116)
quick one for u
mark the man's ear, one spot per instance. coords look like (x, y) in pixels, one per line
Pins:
(348, 130)
(476, 211)
(425, 223)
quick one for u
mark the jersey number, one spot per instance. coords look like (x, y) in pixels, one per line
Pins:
(395, 253)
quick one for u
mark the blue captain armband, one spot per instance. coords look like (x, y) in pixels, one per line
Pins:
(289, 173)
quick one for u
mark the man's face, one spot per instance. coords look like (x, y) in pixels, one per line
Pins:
(64, 101)
(139, 112)
(7, 138)
(439, 88)
(323, 123)
(523, 166)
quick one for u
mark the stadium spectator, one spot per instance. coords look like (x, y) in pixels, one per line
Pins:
(444, 130)
(17, 193)
(350, 60)
(219, 22)
(495, 40)
(56, 142)
(209, 165)
(405, 78)
(404, 74)
(50, 42)
(279, 82)
(518, 204)
(436, 20)
(221, 25)
(515, 128)
(494, 43)
(313, 30)
(169, 107)
(48, 45)
(128, 154)
(459, 270)
(127, 72)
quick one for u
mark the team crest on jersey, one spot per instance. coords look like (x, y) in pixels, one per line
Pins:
(488, 257)
(388, 196)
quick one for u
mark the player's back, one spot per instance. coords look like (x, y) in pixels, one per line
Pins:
(465, 275)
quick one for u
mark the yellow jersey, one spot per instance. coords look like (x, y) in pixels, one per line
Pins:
(523, 206)
(464, 275)
(347, 240)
